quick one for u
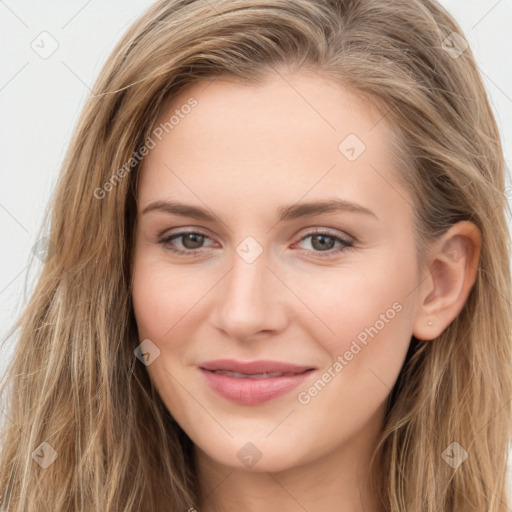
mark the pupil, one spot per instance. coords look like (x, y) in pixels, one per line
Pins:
(195, 238)
(322, 244)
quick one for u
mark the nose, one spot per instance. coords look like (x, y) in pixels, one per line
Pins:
(250, 300)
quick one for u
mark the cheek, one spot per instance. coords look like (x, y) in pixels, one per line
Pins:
(161, 298)
(372, 323)
(163, 309)
(363, 320)
(352, 302)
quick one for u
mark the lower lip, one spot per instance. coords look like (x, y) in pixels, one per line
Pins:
(253, 391)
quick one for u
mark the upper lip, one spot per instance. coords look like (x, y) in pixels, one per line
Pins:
(253, 367)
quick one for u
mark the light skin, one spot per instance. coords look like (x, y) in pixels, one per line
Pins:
(242, 153)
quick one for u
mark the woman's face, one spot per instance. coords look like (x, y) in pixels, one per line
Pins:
(265, 272)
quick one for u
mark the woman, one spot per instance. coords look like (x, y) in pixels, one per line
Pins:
(278, 273)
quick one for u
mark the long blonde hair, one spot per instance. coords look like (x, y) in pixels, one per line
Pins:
(74, 388)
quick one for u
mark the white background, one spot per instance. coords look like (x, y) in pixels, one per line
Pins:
(40, 100)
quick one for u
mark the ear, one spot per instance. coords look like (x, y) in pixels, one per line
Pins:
(451, 272)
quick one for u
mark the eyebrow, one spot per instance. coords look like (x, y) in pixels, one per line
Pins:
(288, 212)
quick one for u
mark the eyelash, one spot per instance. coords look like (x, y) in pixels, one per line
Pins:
(346, 244)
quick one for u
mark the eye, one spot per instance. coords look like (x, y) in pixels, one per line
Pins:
(322, 242)
(191, 241)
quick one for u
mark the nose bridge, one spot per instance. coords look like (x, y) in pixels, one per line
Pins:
(248, 302)
(245, 289)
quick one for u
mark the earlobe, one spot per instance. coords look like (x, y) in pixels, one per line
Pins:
(451, 274)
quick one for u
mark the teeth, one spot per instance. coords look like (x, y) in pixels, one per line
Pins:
(253, 376)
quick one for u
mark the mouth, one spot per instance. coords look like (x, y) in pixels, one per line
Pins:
(264, 375)
(253, 383)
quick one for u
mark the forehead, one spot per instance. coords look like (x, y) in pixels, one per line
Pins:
(293, 135)
(290, 103)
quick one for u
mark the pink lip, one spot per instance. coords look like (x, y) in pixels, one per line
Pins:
(252, 391)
